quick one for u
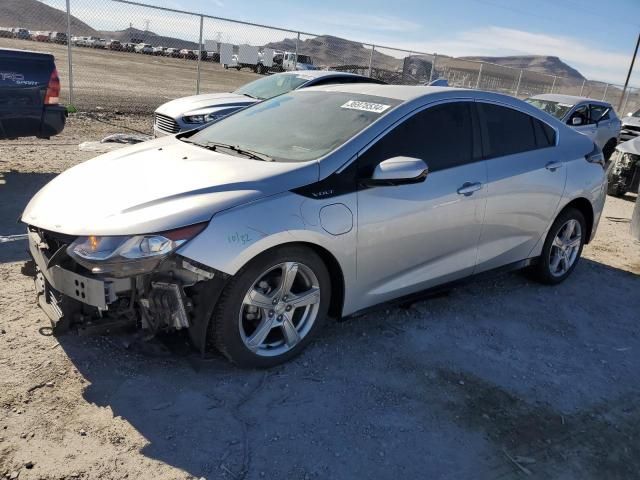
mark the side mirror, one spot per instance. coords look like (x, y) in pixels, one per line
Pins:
(575, 121)
(398, 171)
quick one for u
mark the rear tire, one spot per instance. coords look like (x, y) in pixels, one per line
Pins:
(260, 299)
(609, 148)
(562, 248)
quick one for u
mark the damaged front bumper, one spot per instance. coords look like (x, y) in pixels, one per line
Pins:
(178, 294)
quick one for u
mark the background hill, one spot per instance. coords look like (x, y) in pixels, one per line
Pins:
(330, 50)
(538, 63)
(326, 50)
(34, 15)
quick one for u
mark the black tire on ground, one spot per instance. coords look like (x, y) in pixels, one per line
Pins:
(609, 148)
(613, 186)
(224, 331)
(542, 270)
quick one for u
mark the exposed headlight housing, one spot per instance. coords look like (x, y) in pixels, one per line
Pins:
(200, 118)
(125, 256)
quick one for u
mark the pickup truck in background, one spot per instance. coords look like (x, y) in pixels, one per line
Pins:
(29, 95)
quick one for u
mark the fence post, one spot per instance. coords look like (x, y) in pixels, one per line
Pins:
(582, 88)
(624, 108)
(554, 83)
(433, 67)
(295, 62)
(604, 95)
(479, 75)
(518, 84)
(199, 56)
(69, 53)
(373, 49)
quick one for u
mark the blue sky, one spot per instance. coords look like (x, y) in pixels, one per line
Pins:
(595, 36)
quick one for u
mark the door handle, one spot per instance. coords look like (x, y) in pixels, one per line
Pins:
(553, 166)
(468, 188)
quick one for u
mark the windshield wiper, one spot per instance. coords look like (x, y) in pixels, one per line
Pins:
(235, 148)
(250, 96)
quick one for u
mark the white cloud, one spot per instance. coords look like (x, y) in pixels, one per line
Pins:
(593, 62)
(365, 22)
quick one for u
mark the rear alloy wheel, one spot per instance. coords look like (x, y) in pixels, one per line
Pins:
(270, 310)
(562, 248)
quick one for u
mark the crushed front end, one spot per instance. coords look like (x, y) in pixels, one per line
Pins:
(624, 175)
(100, 284)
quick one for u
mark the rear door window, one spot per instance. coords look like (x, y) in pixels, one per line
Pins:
(507, 131)
(598, 113)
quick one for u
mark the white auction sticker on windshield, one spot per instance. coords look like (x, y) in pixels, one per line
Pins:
(365, 106)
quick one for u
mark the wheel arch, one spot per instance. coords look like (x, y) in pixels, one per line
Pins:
(333, 266)
(583, 206)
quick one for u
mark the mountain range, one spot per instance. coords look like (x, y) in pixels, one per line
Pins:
(325, 50)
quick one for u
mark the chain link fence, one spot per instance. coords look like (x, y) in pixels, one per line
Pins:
(129, 58)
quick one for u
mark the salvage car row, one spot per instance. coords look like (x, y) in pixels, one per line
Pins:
(281, 60)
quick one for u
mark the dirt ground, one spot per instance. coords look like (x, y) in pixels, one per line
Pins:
(499, 379)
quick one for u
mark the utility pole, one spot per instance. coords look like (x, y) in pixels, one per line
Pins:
(626, 83)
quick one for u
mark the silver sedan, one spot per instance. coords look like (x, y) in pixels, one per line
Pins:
(318, 203)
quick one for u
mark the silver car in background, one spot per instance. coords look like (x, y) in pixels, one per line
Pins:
(251, 232)
(594, 118)
(195, 111)
(624, 170)
(630, 126)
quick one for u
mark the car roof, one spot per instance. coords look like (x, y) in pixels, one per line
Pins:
(399, 92)
(568, 99)
(313, 74)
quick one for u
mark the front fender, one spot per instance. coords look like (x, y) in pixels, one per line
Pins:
(235, 236)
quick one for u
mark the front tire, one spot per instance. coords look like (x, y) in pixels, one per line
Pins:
(562, 247)
(272, 308)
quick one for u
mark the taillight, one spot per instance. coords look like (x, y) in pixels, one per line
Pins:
(52, 97)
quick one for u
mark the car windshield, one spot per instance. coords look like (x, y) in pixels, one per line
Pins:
(272, 86)
(557, 109)
(298, 126)
(636, 113)
(304, 59)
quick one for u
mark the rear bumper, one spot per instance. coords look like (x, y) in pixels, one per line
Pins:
(54, 118)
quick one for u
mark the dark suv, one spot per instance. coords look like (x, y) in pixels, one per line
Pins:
(29, 95)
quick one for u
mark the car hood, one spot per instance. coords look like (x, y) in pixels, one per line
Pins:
(631, 146)
(155, 186)
(635, 121)
(178, 107)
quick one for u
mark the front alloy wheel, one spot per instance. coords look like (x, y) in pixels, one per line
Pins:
(270, 310)
(279, 309)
